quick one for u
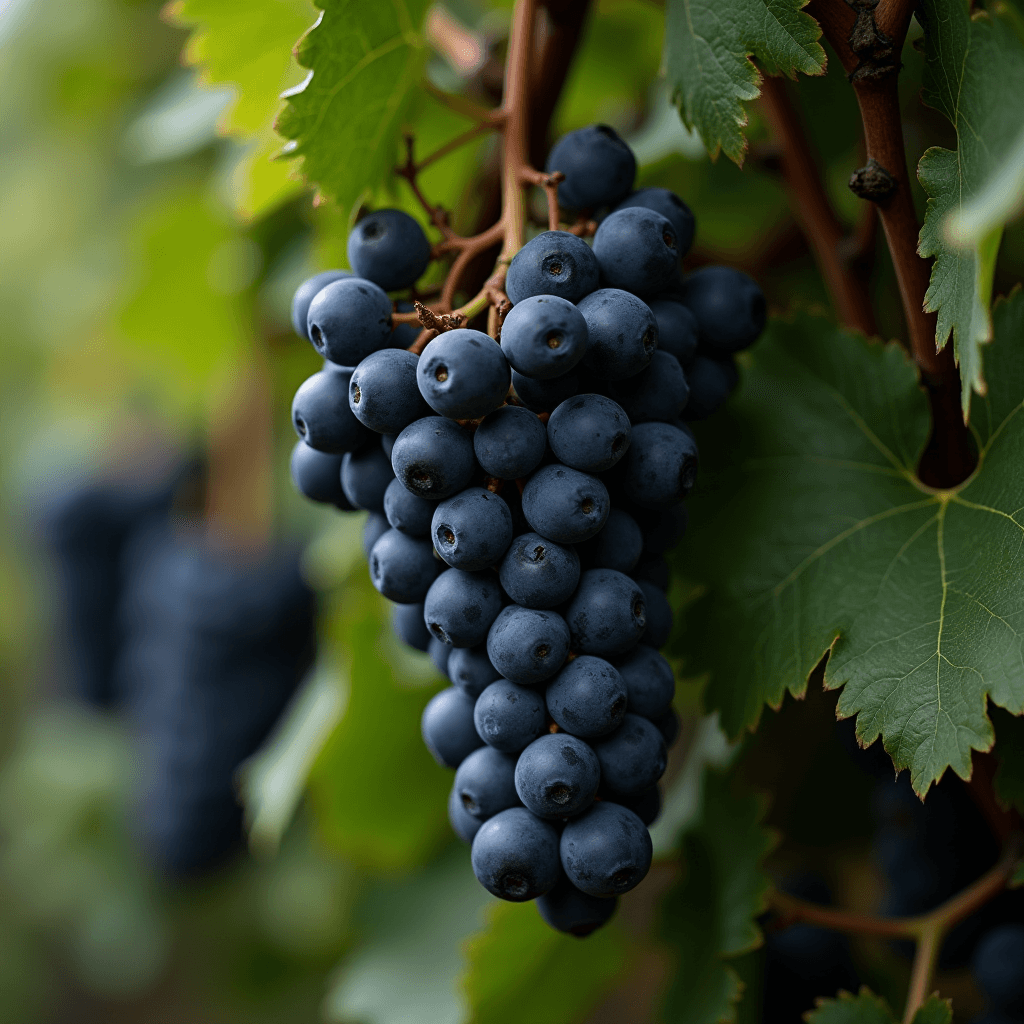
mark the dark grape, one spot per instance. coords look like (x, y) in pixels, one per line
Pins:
(544, 336)
(650, 682)
(729, 308)
(599, 167)
(321, 416)
(669, 205)
(553, 263)
(567, 909)
(617, 546)
(658, 393)
(588, 697)
(462, 374)
(545, 395)
(440, 654)
(389, 248)
(349, 319)
(406, 511)
(376, 525)
(365, 476)
(527, 645)
(433, 458)
(659, 615)
(305, 294)
(508, 717)
(472, 530)
(407, 621)
(317, 476)
(637, 250)
(608, 613)
(402, 568)
(632, 758)
(557, 776)
(485, 782)
(589, 433)
(464, 825)
(515, 855)
(622, 333)
(539, 573)
(471, 670)
(510, 443)
(383, 394)
(460, 606)
(660, 466)
(607, 851)
(448, 729)
(711, 382)
(677, 329)
(565, 505)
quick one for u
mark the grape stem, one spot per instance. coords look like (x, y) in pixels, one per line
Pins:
(814, 212)
(873, 69)
(927, 930)
(511, 119)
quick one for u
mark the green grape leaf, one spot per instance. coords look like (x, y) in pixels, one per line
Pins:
(250, 49)
(519, 969)
(867, 1008)
(708, 45)
(378, 795)
(708, 918)
(812, 535)
(1009, 751)
(974, 74)
(344, 121)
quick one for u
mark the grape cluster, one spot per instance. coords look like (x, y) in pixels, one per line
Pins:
(522, 497)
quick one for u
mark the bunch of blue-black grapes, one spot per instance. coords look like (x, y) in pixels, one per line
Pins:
(522, 496)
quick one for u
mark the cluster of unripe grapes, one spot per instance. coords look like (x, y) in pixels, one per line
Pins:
(522, 496)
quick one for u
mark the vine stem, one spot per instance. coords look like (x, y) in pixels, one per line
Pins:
(874, 72)
(926, 929)
(812, 208)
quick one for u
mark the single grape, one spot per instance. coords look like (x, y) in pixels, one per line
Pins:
(568, 909)
(654, 569)
(406, 511)
(599, 167)
(677, 329)
(544, 336)
(305, 294)
(650, 682)
(632, 758)
(711, 382)
(544, 395)
(348, 320)
(407, 622)
(389, 248)
(659, 615)
(617, 546)
(557, 776)
(565, 505)
(460, 607)
(510, 443)
(669, 205)
(463, 375)
(383, 394)
(589, 433)
(527, 645)
(588, 697)
(508, 717)
(622, 333)
(515, 855)
(471, 670)
(539, 573)
(402, 568)
(317, 476)
(485, 782)
(668, 725)
(321, 416)
(472, 530)
(448, 729)
(637, 250)
(464, 825)
(729, 308)
(440, 654)
(646, 806)
(606, 851)
(374, 528)
(433, 458)
(608, 613)
(998, 967)
(365, 476)
(553, 263)
(658, 393)
(660, 466)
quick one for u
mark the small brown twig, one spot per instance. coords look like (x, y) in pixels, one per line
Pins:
(438, 216)
(868, 42)
(548, 182)
(927, 929)
(463, 105)
(812, 209)
(584, 227)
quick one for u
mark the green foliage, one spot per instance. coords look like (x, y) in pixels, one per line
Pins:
(708, 45)
(814, 535)
(867, 1008)
(520, 969)
(709, 916)
(974, 74)
(253, 54)
(365, 60)
(379, 796)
